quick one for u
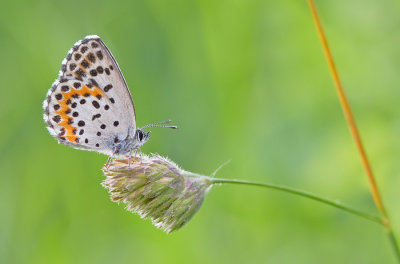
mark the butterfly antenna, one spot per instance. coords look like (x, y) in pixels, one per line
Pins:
(160, 124)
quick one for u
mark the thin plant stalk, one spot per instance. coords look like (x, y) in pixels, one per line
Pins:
(157, 188)
(305, 194)
(354, 130)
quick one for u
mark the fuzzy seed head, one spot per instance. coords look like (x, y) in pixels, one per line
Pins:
(156, 188)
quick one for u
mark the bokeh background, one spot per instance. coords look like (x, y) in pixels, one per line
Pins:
(245, 81)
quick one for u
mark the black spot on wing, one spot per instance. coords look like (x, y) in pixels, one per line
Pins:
(108, 87)
(57, 118)
(62, 132)
(96, 104)
(65, 88)
(93, 82)
(84, 49)
(80, 73)
(99, 54)
(85, 63)
(91, 57)
(96, 116)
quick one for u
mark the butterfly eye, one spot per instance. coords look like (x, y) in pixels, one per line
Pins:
(140, 134)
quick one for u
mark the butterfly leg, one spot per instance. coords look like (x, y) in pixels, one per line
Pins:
(130, 156)
(129, 160)
(140, 154)
(110, 160)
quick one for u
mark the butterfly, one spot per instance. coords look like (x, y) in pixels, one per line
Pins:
(89, 105)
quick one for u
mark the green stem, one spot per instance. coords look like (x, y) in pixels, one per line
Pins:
(393, 242)
(301, 193)
(354, 130)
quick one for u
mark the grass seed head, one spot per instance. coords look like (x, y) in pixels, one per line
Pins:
(156, 188)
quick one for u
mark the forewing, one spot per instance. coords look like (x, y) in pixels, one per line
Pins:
(89, 106)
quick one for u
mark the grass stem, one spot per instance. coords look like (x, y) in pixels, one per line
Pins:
(305, 194)
(354, 130)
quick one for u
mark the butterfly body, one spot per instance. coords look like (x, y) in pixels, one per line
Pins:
(89, 106)
(127, 145)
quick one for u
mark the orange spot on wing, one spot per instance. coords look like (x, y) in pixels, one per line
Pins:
(69, 128)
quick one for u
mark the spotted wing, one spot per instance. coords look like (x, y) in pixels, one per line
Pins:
(89, 106)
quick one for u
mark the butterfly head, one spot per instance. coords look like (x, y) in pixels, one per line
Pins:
(142, 136)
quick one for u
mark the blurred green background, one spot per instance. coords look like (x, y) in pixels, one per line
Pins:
(245, 81)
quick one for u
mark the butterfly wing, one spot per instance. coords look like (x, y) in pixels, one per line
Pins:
(89, 106)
